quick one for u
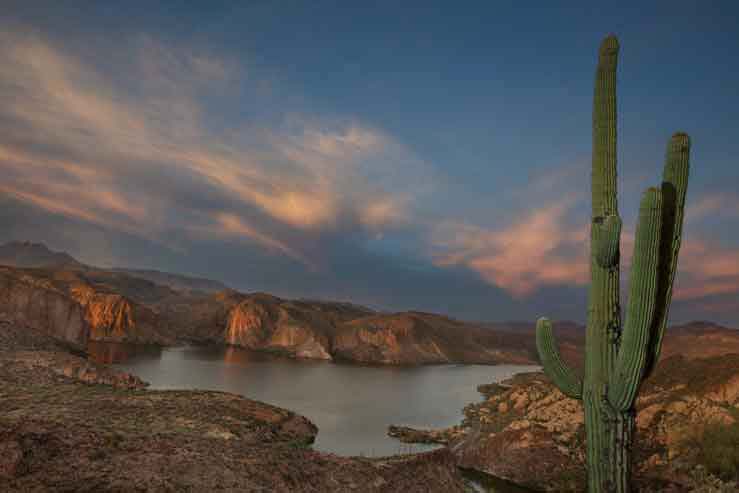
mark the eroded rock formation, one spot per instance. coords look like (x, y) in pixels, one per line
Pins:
(29, 302)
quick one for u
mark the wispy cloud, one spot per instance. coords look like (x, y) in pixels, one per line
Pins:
(543, 249)
(707, 269)
(538, 250)
(121, 149)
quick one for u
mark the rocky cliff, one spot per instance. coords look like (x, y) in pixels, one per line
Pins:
(31, 302)
(417, 338)
(259, 324)
(80, 305)
(334, 331)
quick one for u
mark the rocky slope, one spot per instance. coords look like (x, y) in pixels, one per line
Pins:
(340, 331)
(70, 425)
(416, 337)
(178, 282)
(83, 305)
(529, 432)
(27, 254)
(118, 306)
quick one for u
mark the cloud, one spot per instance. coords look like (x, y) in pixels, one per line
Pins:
(538, 250)
(230, 224)
(138, 146)
(706, 269)
(543, 249)
(717, 204)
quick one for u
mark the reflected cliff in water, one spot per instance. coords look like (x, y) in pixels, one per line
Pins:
(119, 352)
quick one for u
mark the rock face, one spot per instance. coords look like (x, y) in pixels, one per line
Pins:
(417, 338)
(115, 318)
(31, 303)
(349, 333)
(80, 305)
(527, 431)
(265, 323)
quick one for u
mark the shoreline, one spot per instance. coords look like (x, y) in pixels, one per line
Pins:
(98, 429)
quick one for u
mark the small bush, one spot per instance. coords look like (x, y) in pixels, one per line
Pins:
(716, 447)
(701, 481)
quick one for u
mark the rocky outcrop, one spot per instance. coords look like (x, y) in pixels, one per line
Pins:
(115, 318)
(75, 306)
(343, 332)
(392, 339)
(421, 338)
(268, 323)
(29, 302)
(527, 431)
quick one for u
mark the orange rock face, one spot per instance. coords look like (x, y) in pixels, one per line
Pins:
(261, 323)
(30, 303)
(110, 316)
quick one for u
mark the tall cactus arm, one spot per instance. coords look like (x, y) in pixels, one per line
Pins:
(604, 197)
(606, 237)
(556, 369)
(634, 351)
(674, 189)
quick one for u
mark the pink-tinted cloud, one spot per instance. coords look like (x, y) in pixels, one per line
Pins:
(94, 146)
(706, 269)
(539, 250)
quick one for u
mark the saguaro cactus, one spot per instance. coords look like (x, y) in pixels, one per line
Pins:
(618, 358)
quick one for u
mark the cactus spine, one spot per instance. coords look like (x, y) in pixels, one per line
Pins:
(618, 358)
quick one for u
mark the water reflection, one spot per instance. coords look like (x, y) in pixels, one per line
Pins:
(351, 405)
(119, 352)
(485, 483)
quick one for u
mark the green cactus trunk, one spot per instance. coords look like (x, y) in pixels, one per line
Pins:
(619, 357)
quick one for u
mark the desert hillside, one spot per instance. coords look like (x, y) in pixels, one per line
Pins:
(527, 431)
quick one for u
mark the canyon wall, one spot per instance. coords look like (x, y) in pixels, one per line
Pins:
(27, 302)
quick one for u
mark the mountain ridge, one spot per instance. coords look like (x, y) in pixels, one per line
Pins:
(118, 306)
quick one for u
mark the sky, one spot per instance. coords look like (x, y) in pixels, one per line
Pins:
(404, 155)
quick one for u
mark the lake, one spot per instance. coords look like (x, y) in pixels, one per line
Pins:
(351, 405)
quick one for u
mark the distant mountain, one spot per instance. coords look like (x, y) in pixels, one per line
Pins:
(65, 298)
(176, 281)
(27, 254)
(37, 255)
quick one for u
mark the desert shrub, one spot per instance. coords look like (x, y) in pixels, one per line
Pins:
(716, 447)
(701, 481)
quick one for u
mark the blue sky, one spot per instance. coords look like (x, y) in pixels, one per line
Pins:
(429, 155)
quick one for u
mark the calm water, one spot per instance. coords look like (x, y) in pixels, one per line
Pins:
(351, 405)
